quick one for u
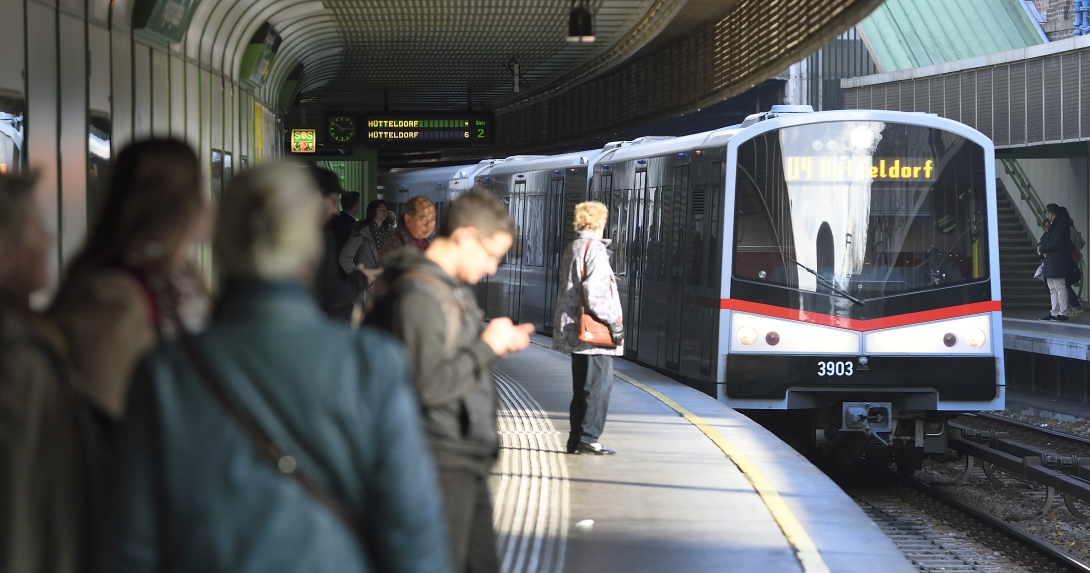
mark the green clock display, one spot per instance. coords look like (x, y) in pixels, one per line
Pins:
(342, 128)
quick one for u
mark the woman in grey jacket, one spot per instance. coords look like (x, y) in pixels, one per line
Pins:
(588, 284)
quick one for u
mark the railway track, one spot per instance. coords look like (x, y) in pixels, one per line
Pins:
(938, 532)
(1059, 461)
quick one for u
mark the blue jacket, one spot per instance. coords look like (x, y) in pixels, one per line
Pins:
(193, 494)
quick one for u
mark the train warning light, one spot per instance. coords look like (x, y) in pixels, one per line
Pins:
(772, 338)
(949, 340)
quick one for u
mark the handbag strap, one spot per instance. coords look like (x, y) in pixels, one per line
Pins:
(272, 450)
(583, 278)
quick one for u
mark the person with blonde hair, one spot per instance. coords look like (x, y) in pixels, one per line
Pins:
(588, 286)
(277, 440)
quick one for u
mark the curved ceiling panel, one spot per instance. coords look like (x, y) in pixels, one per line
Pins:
(427, 54)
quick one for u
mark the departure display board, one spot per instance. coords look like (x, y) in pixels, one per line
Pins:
(855, 169)
(427, 129)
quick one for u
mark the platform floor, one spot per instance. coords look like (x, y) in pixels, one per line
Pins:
(670, 499)
(1023, 331)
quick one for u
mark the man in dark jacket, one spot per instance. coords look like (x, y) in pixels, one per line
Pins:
(345, 221)
(416, 227)
(336, 290)
(1055, 250)
(431, 308)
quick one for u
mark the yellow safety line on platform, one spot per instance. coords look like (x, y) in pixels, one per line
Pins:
(805, 549)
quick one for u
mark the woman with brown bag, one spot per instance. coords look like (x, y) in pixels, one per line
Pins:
(588, 326)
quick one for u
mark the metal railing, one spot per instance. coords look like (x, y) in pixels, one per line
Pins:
(1027, 193)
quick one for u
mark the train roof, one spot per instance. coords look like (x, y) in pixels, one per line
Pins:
(446, 173)
(520, 163)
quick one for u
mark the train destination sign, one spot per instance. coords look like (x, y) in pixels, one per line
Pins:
(861, 169)
(303, 140)
(428, 129)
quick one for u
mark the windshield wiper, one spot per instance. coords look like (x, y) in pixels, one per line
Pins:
(827, 282)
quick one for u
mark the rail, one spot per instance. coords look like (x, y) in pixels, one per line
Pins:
(1067, 474)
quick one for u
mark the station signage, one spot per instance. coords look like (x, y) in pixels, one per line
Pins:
(858, 169)
(303, 140)
(427, 129)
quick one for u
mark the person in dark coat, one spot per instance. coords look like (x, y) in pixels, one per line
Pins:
(47, 474)
(1075, 274)
(431, 308)
(337, 291)
(415, 229)
(345, 221)
(194, 492)
(1055, 251)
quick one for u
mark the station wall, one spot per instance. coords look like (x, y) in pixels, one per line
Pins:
(77, 84)
(1064, 181)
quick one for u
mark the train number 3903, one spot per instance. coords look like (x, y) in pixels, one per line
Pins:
(833, 368)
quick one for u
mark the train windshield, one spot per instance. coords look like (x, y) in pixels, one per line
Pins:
(874, 209)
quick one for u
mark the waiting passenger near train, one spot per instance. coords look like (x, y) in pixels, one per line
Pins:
(431, 308)
(337, 291)
(418, 225)
(590, 289)
(345, 221)
(276, 440)
(46, 467)
(360, 252)
(1055, 252)
(133, 283)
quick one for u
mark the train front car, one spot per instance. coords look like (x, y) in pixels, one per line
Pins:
(862, 286)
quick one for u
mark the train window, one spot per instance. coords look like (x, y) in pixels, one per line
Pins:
(228, 170)
(694, 273)
(617, 230)
(713, 231)
(638, 224)
(12, 122)
(98, 162)
(533, 252)
(217, 175)
(877, 209)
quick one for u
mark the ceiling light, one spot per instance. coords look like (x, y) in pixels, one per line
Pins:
(580, 23)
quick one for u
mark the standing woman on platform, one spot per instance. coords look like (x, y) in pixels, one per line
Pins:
(1055, 251)
(589, 287)
(123, 291)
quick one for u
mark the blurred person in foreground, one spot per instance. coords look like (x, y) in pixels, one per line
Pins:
(132, 284)
(588, 286)
(345, 222)
(337, 290)
(431, 308)
(419, 224)
(48, 465)
(197, 491)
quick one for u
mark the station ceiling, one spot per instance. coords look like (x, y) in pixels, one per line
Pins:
(429, 54)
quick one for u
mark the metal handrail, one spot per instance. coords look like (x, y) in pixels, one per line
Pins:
(1025, 190)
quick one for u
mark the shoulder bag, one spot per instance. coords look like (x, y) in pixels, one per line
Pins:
(272, 450)
(591, 330)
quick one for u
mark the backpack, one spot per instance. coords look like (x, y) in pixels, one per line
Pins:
(378, 311)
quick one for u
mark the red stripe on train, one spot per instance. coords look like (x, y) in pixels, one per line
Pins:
(860, 325)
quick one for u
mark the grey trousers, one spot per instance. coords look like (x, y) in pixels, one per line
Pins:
(592, 382)
(468, 508)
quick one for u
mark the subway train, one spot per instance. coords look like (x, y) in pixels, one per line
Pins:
(834, 273)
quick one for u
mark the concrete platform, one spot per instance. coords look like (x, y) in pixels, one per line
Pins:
(670, 499)
(1056, 408)
(1023, 331)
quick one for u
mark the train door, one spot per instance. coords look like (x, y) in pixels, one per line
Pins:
(637, 232)
(677, 237)
(532, 293)
(554, 246)
(711, 279)
(515, 255)
(652, 298)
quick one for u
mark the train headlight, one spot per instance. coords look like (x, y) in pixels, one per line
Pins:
(975, 337)
(861, 137)
(746, 335)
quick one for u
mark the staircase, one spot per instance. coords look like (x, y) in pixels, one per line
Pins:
(1017, 258)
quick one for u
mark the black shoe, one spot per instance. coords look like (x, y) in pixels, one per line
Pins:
(593, 449)
(1060, 318)
(1047, 317)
